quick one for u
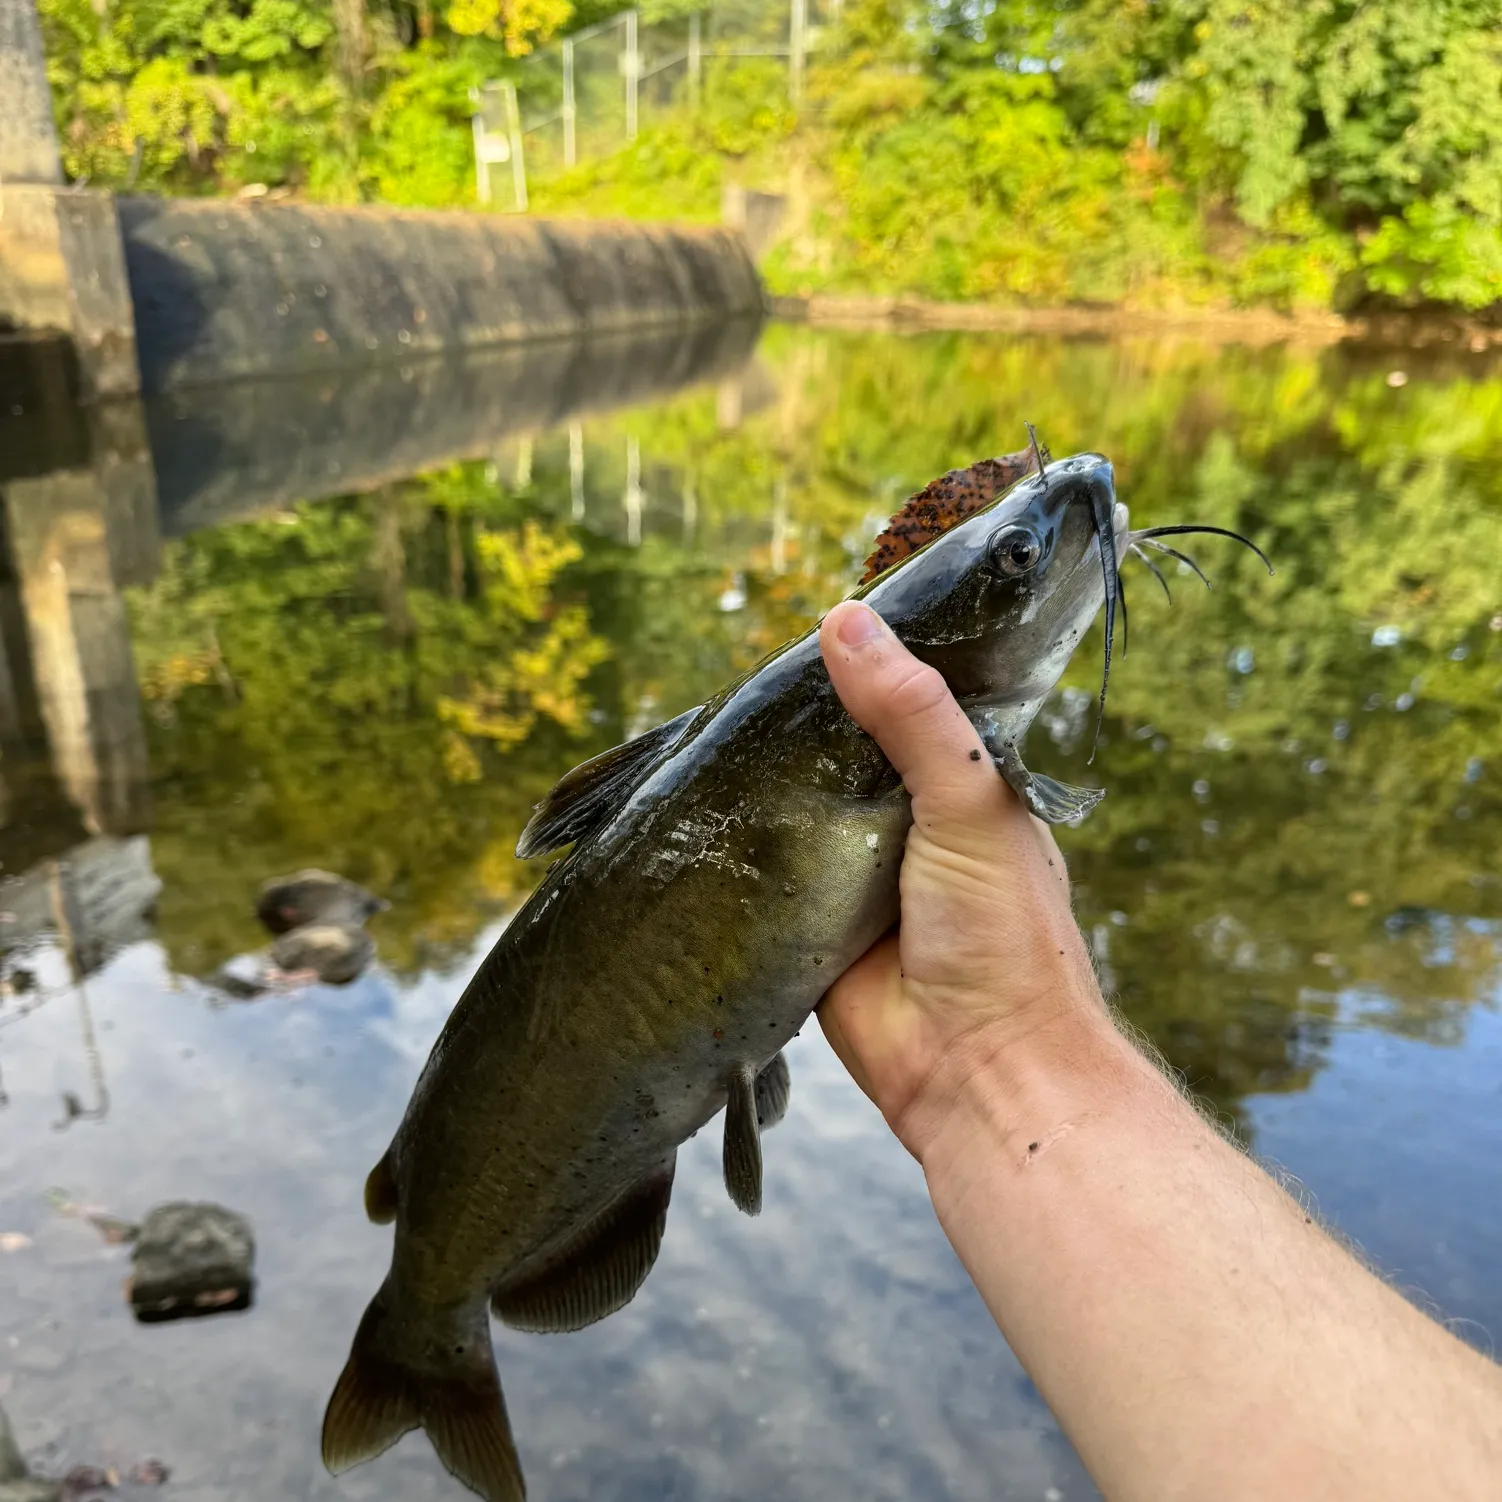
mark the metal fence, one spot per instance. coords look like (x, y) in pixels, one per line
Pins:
(590, 94)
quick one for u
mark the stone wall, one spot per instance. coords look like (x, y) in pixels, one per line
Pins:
(226, 291)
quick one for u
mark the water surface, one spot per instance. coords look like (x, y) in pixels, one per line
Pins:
(1292, 887)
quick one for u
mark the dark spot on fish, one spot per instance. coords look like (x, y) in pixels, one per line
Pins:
(975, 756)
(1032, 1147)
(719, 1001)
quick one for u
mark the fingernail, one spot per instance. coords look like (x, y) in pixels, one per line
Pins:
(859, 625)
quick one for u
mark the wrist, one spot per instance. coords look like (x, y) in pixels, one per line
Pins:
(1018, 1082)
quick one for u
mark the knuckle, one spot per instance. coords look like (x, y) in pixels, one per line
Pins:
(918, 692)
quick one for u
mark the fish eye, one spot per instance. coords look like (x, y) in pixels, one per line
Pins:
(1015, 550)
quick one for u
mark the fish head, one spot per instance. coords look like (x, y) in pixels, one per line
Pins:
(1000, 601)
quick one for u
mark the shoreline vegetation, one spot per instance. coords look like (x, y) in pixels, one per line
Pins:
(1178, 161)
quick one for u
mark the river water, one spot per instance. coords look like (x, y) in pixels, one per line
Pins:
(220, 668)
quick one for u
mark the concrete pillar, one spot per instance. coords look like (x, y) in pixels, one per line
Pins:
(71, 540)
(62, 272)
(28, 140)
(62, 264)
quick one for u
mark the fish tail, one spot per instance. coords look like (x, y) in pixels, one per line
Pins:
(454, 1395)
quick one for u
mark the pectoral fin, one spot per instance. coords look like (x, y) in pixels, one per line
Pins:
(600, 1271)
(380, 1192)
(742, 1158)
(1053, 802)
(586, 798)
(773, 1086)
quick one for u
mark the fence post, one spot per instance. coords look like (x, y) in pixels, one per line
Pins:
(695, 58)
(576, 471)
(482, 167)
(569, 152)
(633, 70)
(797, 45)
(633, 496)
(518, 164)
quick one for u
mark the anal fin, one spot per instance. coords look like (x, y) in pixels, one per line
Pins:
(1053, 802)
(773, 1087)
(600, 1270)
(742, 1154)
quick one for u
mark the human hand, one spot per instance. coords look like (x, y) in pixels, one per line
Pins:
(988, 959)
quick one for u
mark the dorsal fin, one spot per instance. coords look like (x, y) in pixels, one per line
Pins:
(582, 801)
(942, 503)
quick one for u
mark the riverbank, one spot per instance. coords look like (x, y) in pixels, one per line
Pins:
(1250, 326)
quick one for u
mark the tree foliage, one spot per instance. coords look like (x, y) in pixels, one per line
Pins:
(1298, 152)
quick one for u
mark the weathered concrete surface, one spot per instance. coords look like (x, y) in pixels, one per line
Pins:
(226, 291)
(28, 140)
(224, 452)
(62, 271)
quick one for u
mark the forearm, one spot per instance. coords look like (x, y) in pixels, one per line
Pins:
(1197, 1335)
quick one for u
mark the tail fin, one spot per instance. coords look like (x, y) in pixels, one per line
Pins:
(455, 1396)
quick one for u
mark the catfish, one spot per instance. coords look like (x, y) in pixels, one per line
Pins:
(724, 869)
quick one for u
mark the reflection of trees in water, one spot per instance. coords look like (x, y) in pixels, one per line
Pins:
(386, 684)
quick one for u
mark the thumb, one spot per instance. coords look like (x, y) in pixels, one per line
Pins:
(906, 707)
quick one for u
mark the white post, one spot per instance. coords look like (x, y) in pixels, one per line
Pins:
(482, 167)
(797, 44)
(690, 506)
(633, 495)
(518, 164)
(569, 153)
(695, 58)
(633, 69)
(576, 471)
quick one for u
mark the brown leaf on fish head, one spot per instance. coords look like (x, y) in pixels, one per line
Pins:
(944, 502)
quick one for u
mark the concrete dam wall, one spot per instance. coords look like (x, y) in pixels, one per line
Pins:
(225, 291)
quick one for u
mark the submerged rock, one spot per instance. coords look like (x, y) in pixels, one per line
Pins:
(335, 952)
(191, 1259)
(313, 896)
